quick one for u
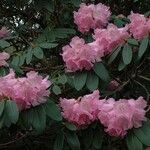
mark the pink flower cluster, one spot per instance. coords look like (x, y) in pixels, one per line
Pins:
(139, 26)
(4, 32)
(116, 116)
(119, 116)
(107, 39)
(82, 111)
(78, 55)
(26, 91)
(3, 57)
(91, 16)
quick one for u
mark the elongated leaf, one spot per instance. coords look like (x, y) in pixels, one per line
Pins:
(48, 45)
(22, 59)
(62, 79)
(2, 104)
(80, 80)
(101, 71)
(143, 133)
(56, 89)
(52, 111)
(143, 47)
(29, 55)
(12, 111)
(127, 54)
(98, 139)
(133, 142)
(4, 44)
(73, 140)
(92, 81)
(15, 61)
(38, 52)
(59, 142)
(133, 41)
(121, 66)
(114, 55)
(39, 120)
(71, 126)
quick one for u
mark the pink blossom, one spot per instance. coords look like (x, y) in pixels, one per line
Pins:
(78, 55)
(120, 116)
(3, 57)
(107, 39)
(82, 111)
(26, 91)
(91, 16)
(147, 148)
(4, 32)
(138, 26)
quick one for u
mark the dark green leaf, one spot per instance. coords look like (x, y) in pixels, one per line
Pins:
(143, 133)
(52, 111)
(15, 61)
(71, 126)
(101, 71)
(4, 44)
(133, 142)
(127, 54)
(59, 141)
(80, 80)
(98, 139)
(143, 47)
(133, 41)
(12, 111)
(56, 89)
(114, 54)
(121, 66)
(2, 104)
(29, 56)
(38, 52)
(62, 79)
(73, 140)
(92, 81)
(48, 45)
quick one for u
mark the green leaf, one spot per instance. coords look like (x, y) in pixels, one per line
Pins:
(101, 71)
(29, 56)
(59, 141)
(52, 110)
(80, 80)
(70, 126)
(98, 139)
(121, 66)
(38, 53)
(127, 54)
(92, 81)
(73, 140)
(2, 104)
(39, 119)
(15, 61)
(12, 111)
(56, 89)
(22, 59)
(133, 41)
(143, 47)
(75, 2)
(143, 133)
(133, 142)
(62, 79)
(114, 54)
(48, 45)
(4, 44)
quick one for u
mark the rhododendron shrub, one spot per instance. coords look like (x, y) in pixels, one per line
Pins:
(74, 75)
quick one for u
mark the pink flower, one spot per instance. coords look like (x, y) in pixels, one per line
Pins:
(27, 91)
(3, 57)
(4, 32)
(120, 116)
(78, 55)
(91, 16)
(138, 26)
(107, 39)
(82, 111)
(147, 148)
